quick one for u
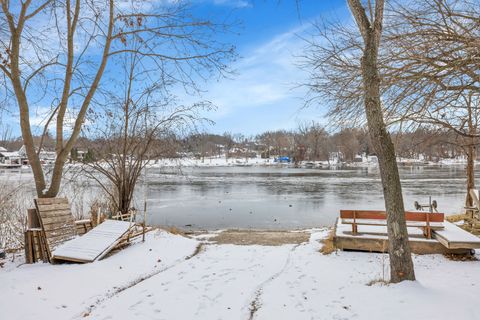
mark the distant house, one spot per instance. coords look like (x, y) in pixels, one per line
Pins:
(44, 155)
(10, 159)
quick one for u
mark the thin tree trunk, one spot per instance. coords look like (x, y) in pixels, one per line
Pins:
(470, 174)
(471, 154)
(401, 265)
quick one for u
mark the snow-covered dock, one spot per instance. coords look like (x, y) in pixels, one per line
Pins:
(373, 238)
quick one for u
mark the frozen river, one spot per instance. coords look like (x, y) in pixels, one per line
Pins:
(272, 197)
(286, 198)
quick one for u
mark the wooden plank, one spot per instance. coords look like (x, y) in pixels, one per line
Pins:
(54, 207)
(36, 246)
(454, 237)
(95, 244)
(367, 222)
(381, 245)
(41, 254)
(71, 259)
(59, 225)
(32, 219)
(65, 232)
(28, 247)
(55, 213)
(382, 215)
(58, 220)
(83, 226)
(49, 201)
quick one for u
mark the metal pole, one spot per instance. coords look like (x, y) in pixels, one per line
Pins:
(145, 190)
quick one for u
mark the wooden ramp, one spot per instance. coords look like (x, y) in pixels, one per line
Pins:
(95, 244)
(453, 237)
(374, 239)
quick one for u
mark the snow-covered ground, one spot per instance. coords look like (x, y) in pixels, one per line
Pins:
(168, 277)
(213, 162)
(222, 162)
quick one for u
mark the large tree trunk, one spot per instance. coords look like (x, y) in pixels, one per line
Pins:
(401, 265)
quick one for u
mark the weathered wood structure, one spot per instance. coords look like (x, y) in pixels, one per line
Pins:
(369, 233)
(52, 234)
(56, 221)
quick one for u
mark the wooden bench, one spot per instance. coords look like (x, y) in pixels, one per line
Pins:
(425, 220)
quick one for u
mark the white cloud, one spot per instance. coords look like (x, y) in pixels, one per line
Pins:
(233, 3)
(267, 74)
(40, 115)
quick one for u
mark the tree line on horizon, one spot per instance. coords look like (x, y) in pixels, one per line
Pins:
(308, 142)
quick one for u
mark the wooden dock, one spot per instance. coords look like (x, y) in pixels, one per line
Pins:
(451, 239)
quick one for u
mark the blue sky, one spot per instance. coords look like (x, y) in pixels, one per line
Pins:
(264, 93)
(263, 96)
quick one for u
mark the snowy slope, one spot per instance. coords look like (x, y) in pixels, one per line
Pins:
(239, 282)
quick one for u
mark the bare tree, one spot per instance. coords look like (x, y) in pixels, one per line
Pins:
(345, 74)
(55, 53)
(432, 70)
(316, 140)
(139, 114)
(401, 264)
(428, 65)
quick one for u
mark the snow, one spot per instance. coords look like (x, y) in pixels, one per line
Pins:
(212, 162)
(221, 161)
(238, 282)
(68, 290)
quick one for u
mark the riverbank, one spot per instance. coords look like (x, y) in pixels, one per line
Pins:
(176, 277)
(232, 162)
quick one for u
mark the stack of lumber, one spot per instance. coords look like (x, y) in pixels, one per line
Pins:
(35, 247)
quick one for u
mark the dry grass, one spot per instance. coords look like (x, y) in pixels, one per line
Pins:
(328, 243)
(260, 237)
(14, 201)
(455, 217)
(200, 248)
(173, 230)
(460, 257)
(381, 282)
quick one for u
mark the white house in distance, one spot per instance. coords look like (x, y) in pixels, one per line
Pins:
(46, 157)
(10, 159)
